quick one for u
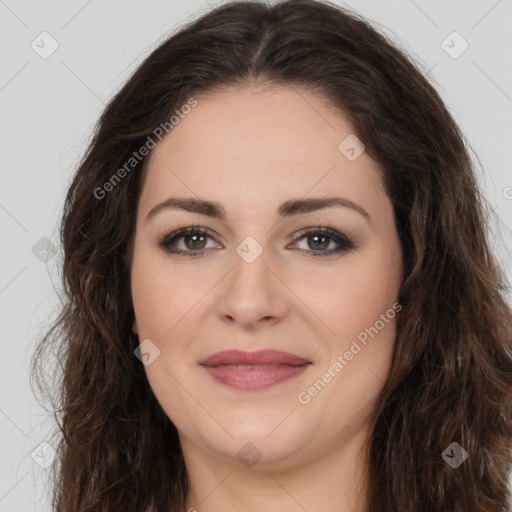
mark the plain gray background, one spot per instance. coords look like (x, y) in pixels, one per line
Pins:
(48, 107)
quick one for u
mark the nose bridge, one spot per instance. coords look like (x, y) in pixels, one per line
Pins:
(252, 291)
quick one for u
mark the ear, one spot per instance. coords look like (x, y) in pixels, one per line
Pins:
(135, 329)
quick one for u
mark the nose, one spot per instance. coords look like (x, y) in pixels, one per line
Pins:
(254, 293)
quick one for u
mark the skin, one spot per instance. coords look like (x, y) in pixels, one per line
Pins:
(250, 150)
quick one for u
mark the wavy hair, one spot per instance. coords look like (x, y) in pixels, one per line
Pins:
(451, 374)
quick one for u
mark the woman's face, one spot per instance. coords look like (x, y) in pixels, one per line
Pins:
(264, 278)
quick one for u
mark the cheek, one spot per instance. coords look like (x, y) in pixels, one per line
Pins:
(367, 333)
(163, 302)
(161, 295)
(362, 314)
(350, 298)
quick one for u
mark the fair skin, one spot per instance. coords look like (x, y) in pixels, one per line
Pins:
(250, 151)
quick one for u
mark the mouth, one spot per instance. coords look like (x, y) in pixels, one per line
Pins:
(251, 371)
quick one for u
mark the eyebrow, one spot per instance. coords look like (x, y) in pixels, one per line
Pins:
(287, 208)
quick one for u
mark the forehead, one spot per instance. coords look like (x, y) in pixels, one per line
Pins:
(259, 144)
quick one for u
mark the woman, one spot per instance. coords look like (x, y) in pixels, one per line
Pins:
(280, 289)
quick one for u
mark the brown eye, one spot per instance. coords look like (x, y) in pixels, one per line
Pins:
(319, 239)
(195, 238)
(194, 241)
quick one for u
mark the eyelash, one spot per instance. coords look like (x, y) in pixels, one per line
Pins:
(341, 239)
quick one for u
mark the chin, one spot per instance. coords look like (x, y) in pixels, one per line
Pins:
(271, 443)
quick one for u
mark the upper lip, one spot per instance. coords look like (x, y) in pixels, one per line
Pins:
(240, 357)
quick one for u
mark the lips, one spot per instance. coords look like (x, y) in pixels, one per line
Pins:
(261, 357)
(252, 371)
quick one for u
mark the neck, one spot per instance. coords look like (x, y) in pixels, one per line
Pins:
(333, 482)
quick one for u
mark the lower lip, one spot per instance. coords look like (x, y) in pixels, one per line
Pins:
(254, 379)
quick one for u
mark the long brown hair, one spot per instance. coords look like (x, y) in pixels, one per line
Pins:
(451, 375)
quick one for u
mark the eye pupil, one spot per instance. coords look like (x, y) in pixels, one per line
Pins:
(317, 237)
(195, 245)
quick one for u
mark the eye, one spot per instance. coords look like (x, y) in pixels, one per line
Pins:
(195, 238)
(319, 238)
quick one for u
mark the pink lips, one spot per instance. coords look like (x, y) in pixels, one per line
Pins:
(253, 370)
